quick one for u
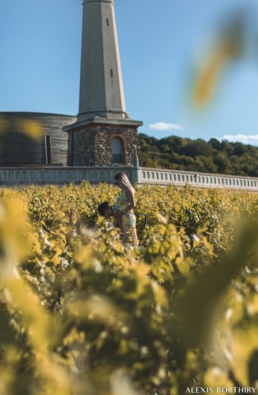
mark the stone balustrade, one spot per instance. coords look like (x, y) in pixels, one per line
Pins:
(14, 176)
(201, 180)
(62, 175)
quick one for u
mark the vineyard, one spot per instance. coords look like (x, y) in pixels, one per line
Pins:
(83, 314)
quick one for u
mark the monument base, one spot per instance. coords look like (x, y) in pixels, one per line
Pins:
(90, 142)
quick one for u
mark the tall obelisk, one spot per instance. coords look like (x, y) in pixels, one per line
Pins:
(104, 135)
(101, 86)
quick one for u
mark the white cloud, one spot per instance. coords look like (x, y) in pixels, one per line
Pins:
(165, 126)
(242, 138)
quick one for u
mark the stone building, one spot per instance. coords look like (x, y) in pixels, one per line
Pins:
(20, 148)
(103, 134)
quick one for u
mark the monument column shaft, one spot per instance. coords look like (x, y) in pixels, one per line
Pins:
(101, 84)
(102, 123)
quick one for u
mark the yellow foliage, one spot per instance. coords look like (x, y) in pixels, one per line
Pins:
(215, 378)
(81, 305)
(244, 342)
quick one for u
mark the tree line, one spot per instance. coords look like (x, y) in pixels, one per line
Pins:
(214, 156)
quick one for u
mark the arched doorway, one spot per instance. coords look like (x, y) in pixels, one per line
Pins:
(117, 151)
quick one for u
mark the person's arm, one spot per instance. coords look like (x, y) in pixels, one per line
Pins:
(119, 220)
(131, 202)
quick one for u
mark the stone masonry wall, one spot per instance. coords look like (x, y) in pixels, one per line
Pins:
(91, 146)
(81, 148)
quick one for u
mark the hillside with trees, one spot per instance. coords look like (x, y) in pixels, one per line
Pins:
(180, 153)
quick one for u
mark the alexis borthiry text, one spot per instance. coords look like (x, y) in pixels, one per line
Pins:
(221, 390)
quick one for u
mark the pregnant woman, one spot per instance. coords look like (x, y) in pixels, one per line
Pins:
(123, 209)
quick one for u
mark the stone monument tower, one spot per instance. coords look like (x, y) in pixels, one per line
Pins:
(103, 135)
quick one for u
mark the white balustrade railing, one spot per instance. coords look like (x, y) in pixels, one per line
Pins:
(14, 176)
(201, 180)
(62, 175)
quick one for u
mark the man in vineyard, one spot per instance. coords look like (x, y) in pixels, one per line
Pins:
(106, 211)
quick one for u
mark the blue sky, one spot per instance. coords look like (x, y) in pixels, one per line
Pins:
(160, 43)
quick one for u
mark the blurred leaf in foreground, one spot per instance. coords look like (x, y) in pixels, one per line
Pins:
(3, 124)
(199, 308)
(228, 47)
(30, 128)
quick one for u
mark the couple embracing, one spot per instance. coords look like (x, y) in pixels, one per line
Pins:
(123, 213)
